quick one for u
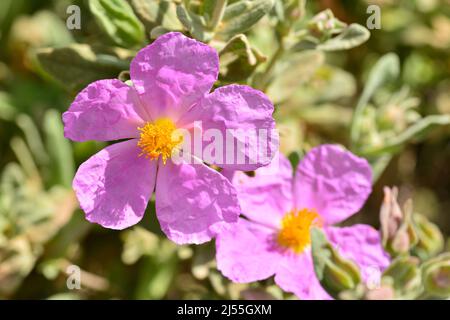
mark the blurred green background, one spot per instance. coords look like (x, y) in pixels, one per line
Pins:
(42, 230)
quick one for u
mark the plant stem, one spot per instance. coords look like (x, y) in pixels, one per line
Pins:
(265, 79)
(217, 14)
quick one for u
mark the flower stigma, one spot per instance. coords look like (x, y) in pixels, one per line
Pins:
(159, 138)
(295, 229)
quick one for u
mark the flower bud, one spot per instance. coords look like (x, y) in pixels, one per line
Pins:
(289, 13)
(436, 276)
(397, 228)
(396, 112)
(405, 276)
(335, 273)
(430, 239)
(324, 24)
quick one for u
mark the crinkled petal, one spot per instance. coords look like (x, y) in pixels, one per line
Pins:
(105, 110)
(114, 186)
(241, 117)
(296, 274)
(360, 243)
(267, 196)
(172, 73)
(333, 181)
(245, 252)
(194, 202)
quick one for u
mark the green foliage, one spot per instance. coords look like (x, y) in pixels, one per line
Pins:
(386, 70)
(242, 15)
(324, 72)
(335, 273)
(238, 60)
(78, 65)
(404, 276)
(350, 37)
(117, 19)
(157, 13)
(415, 272)
(30, 214)
(380, 131)
(297, 70)
(194, 23)
(59, 149)
(436, 275)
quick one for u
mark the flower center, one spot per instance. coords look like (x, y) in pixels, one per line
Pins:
(159, 139)
(295, 229)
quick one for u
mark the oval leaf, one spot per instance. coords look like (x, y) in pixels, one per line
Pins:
(119, 22)
(242, 15)
(354, 35)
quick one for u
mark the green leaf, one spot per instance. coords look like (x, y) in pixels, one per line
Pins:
(7, 109)
(326, 115)
(416, 131)
(157, 13)
(78, 65)
(334, 273)
(25, 157)
(73, 232)
(202, 261)
(157, 272)
(320, 97)
(9, 10)
(194, 23)
(297, 70)
(436, 276)
(404, 273)
(207, 8)
(117, 19)
(59, 149)
(379, 165)
(49, 30)
(238, 60)
(214, 10)
(138, 242)
(158, 31)
(33, 138)
(430, 238)
(351, 37)
(294, 158)
(385, 70)
(17, 259)
(12, 176)
(291, 135)
(242, 15)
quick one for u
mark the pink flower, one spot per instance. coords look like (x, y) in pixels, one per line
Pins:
(330, 185)
(172, 79)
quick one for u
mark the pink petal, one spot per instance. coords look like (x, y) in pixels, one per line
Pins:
(243, 108)
(245, 252)
(105, 110)
(266, 197)
(360, 243)
(194, 202)
(296, 274)
(174, 72)
(115, 185)
(333, 181)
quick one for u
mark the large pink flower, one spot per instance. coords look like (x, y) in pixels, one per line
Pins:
(171, 83)
(330, 185)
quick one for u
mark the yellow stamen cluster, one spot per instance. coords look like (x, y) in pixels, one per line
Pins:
(295, 229)
(159, 139)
